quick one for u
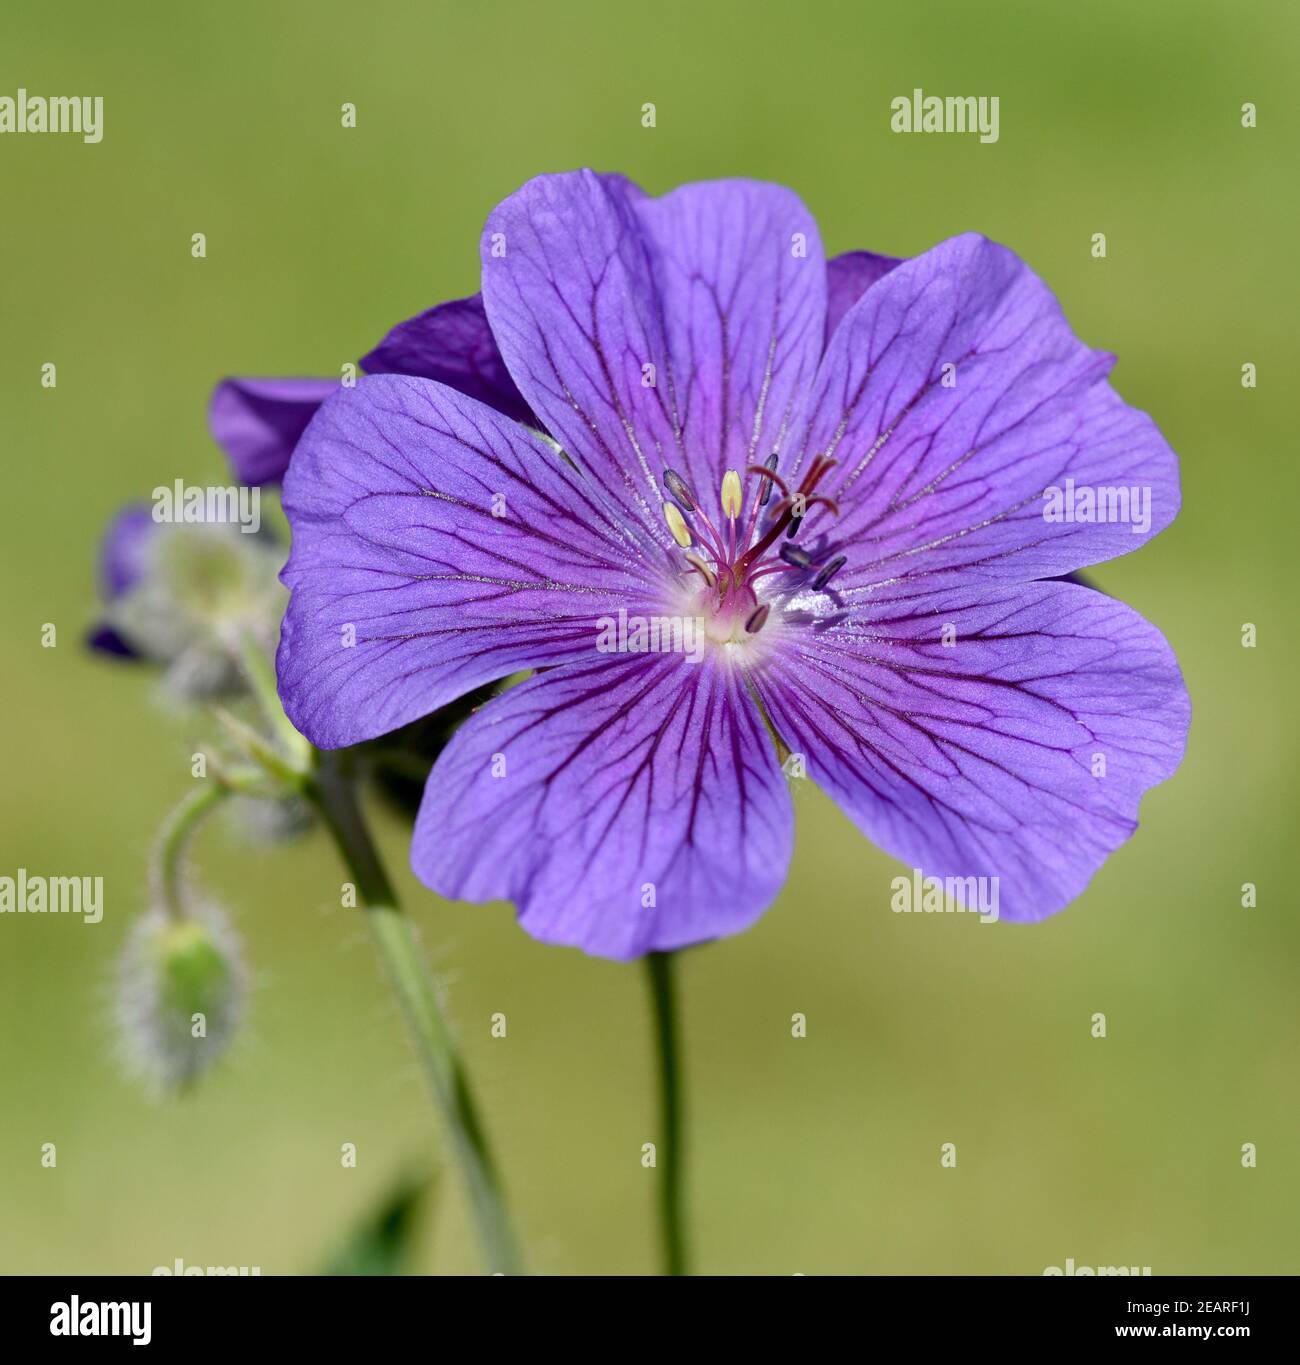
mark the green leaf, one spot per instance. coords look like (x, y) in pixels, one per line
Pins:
(384, 1242)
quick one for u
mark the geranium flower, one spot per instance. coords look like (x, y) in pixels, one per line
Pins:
(855, 520)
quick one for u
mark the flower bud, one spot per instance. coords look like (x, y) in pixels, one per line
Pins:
(181, 987)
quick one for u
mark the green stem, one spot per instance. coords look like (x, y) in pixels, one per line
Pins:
(671, 1196)
(173, 840)
(262, 752)
(260, 675)
(391, 930)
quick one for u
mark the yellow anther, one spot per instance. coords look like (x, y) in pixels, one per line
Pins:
(677, 524)
(731, 494)
(705, 572)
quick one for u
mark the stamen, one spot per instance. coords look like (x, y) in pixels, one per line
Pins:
(731, 495)
(707, 573)
(828, 572)
(729, 575)
(680, 490)
(770, 465)
(783, 513)
(809, 503)
(677, 524)
(792, 554)
(769, 569)
(767, 477)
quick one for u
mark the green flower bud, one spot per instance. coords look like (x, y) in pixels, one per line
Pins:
(181, 988)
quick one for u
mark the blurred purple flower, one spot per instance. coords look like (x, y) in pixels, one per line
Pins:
(905, 642)
(123, 561)
(183, 595)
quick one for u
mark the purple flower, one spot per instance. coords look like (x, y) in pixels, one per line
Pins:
(859, 526)
(257, 422)
(123, 562)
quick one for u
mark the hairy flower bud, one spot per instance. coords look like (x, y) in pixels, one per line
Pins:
(181, 987)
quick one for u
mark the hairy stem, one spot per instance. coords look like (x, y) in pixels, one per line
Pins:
(659, 968)
(418, 997)
(173, 843)
(259, 673)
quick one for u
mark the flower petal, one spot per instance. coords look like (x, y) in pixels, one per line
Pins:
(953, 395)
(106, 639)
(257, 422)
(123, 553)
(628, 804)
(437, 546)
(649, 332)
(982, 759)
(453, 344)
(848, 277)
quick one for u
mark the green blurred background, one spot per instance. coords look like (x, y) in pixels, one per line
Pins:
(813, 1155)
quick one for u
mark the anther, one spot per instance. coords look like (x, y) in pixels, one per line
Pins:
(677, 524)
(680, 490)
(792, 554)
(828, 571)
(770, 465)
(757, 618)
(707, 573)
(731, 494)
(795, 523)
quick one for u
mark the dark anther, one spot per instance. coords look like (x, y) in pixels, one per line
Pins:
(828, 571)
(680, 490)
(792, 554)
(770, 465)
(756, 619)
